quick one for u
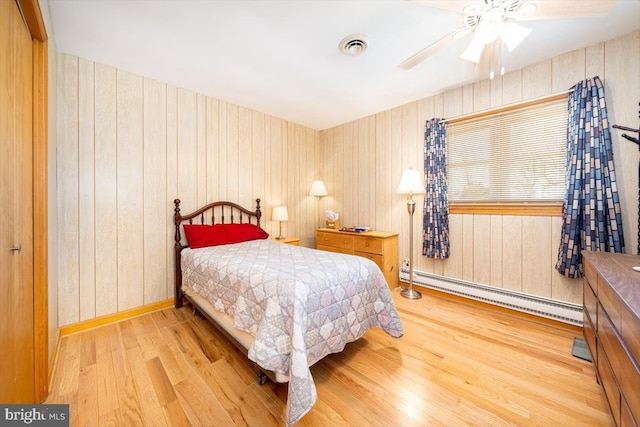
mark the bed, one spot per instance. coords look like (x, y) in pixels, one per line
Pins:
(284, 306)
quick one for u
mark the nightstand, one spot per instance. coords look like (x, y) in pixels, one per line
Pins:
(290, 240)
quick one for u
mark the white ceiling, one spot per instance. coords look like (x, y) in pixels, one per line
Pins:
(281, 57)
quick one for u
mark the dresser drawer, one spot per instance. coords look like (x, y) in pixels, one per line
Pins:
(622, 364)
(335, 240)
(370, 245)
(590, 302)
(610, 340)
(378, 259)
(607, 379)
(334, 249)
(629, 380)
(591, 276)
(630, 332)
(589, 336)
(610, 302)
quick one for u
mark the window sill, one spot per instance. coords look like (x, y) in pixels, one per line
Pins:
(507, 208)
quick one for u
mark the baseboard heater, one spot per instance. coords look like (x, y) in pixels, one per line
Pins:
(539, 306)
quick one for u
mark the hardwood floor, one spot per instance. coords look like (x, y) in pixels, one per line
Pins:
(459, 363)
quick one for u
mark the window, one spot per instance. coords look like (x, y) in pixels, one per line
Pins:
(509, 157)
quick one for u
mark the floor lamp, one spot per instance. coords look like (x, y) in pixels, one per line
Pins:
(318, 190)
(411, 184)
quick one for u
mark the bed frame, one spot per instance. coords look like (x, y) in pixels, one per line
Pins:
(214, 213)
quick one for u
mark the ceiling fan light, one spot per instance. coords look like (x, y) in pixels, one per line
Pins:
(513, 34)
(488, 29)
(473, 51)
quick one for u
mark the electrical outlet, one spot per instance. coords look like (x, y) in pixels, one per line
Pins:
(405, 263)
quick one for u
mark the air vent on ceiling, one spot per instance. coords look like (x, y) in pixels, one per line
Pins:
(353, 45)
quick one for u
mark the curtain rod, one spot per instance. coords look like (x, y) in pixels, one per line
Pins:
(510, 107)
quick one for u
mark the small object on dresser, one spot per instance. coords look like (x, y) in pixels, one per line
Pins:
(361, 229)
(333, 224)
(333, 220)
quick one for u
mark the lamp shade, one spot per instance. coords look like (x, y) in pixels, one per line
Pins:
(513, 34)
(411, 183)
(318, 189)
(473, 51)
(280, 213)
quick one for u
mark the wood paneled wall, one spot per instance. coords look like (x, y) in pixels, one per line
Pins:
(363, 162)
(127, 147)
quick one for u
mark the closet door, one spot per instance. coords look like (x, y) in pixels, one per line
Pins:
(17, 376)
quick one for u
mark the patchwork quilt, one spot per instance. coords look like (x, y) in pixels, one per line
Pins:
(300, 304)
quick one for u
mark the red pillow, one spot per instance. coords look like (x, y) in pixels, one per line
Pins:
(244, 232)
(200, 236)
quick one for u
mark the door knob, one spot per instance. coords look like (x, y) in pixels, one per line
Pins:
(17, 248)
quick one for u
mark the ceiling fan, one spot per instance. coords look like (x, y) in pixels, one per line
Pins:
(489, 20)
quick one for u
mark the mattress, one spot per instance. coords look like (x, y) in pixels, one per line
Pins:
(298, 304)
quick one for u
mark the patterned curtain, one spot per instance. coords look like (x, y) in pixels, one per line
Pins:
(436, 202)
(591, 211)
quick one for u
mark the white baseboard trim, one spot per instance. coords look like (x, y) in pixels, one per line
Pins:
(545, 307)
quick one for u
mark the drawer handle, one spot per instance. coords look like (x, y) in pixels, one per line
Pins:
(367, 244)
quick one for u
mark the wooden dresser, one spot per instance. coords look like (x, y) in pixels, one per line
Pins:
(378, 246)
(611, 313)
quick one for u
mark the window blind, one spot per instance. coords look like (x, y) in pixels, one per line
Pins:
(512, 156)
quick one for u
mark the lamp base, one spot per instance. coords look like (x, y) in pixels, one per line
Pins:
(410, 293)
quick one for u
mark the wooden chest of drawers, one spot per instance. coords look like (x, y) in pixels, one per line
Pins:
(380, 247)
(611, 318)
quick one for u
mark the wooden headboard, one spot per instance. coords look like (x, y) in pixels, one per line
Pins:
(213, 213)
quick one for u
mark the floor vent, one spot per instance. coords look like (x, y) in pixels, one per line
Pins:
(539, 306)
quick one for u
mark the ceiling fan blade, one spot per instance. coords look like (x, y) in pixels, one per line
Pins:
(461, 33)
(568, 9)
(473, 51)
(545, 9)
(420, 56)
